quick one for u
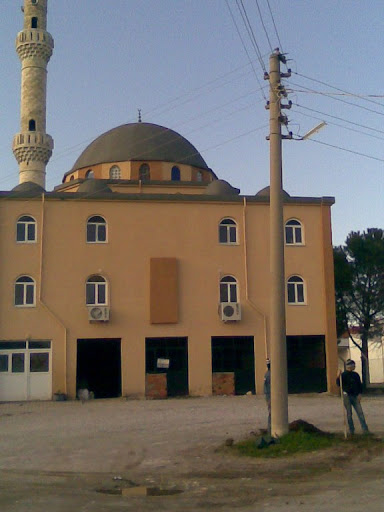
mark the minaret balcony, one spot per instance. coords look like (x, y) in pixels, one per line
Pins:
(32, 146)
(34, 43)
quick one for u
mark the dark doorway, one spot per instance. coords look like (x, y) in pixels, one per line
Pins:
(159, 351)
(306, 364)
(235, 354)
(99, 366)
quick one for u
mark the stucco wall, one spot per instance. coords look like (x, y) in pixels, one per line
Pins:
(138, 231)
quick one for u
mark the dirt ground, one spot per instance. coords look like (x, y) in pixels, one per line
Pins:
(59, 456)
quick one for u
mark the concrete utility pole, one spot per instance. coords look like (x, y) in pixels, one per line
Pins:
(278, 349)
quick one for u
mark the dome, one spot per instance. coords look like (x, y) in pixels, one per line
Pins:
(221, 188)
(92, 186)
(265, 192)
(30, 187)
(140, 141)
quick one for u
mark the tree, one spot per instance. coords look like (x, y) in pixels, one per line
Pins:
(359, 285)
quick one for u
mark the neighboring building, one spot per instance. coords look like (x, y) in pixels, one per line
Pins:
(348, 350)
(145, 274)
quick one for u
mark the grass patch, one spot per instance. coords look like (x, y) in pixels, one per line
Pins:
(303, 442)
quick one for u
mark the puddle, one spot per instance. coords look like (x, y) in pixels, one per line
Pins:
(140, 491)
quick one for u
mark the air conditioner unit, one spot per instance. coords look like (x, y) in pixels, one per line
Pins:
(230, 311)
(98, 313)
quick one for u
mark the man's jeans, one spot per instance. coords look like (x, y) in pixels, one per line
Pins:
(349, 402)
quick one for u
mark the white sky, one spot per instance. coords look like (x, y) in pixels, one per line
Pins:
(183, 63)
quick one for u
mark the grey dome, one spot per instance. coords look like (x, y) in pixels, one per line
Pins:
(92, 186)
(265, 192)
(30, 187)
(221, 188)
(140, 141)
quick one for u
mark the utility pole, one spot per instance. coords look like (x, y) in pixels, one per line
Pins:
(278, 349)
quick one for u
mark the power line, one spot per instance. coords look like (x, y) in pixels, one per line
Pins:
(341, 126)
(327, 93)
(274, 24)
(336, 88)
(343, 101)
(248, 26)
(262, 22)
(339, 118)
(245, 47)
(347, 150)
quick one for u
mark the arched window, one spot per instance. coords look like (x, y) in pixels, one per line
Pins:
(114, 172)
(96, 229)
(199, 176)
(227, 232)
(294, 232)
(295, 290)
(71, 178)
(144, 172)
(25, 291)
(175, 173)
(32, 125)
(26, 229)
(96, 291)
(89, 175)
(34, 22)
(228, 289)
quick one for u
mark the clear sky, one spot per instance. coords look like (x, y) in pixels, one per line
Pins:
(185, 65)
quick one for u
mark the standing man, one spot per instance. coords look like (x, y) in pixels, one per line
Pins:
(352, 388)
(267, 392)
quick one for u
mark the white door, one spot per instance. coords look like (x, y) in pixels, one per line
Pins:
(25, 370)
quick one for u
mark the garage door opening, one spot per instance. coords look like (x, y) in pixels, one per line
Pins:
(306, 364)
(99, 367)
(168, 358)
(234, 355)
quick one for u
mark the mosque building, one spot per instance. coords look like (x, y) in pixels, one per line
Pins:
(143, 274)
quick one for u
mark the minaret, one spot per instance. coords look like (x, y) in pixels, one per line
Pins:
(33, 147)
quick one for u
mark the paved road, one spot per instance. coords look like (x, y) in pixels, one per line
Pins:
(57, 455)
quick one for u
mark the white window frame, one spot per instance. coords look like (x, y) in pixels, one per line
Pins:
(97, 282)
(115, 172)
(295, 286)
(229, 283)
(26, 224)
(31, 283)
(295, 227)
(230, 226)
(97, 225)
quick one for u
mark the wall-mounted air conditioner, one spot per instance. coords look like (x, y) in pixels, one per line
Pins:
(98, 313)
(230, 311)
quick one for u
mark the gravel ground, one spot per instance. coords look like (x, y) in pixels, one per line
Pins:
(57, 455)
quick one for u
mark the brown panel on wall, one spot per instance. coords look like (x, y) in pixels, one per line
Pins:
(164, 304)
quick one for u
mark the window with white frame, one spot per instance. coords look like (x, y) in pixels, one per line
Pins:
(294, 232)
(228, 289)
(25, 291)
(96, 291)
(114, 172)
(296, 290)
(89, 175)
(96, 230)
(26, 229)
(228, 232)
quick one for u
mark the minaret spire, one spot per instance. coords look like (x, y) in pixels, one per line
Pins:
(33, 147)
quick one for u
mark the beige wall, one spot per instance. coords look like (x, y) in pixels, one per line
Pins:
(138, 231)
(160, 171)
